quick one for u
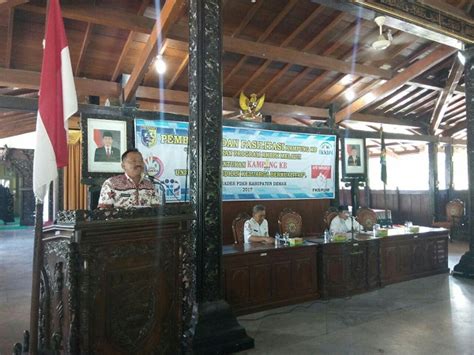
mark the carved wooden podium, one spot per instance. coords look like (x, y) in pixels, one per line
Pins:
(110, 282)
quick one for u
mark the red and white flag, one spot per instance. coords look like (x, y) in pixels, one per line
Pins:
(57, 102)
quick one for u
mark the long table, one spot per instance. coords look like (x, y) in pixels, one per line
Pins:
(258, 277)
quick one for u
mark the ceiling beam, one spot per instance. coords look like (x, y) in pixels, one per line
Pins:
(168, 15)
(10, 4)
(85, 43)
(382, 119)
(285, 55)
(30, 104)
(396, 82)
(128, 42)
(445, 96)
(97, 15)
(31, 80)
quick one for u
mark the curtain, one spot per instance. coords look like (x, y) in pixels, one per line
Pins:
(75, 193)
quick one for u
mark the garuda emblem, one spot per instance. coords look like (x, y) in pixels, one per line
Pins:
(250, 108)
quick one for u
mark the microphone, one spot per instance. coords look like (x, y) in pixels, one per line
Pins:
(155, 182)
(164, 188)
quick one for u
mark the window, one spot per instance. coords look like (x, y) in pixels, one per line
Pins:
(405, 171)
(460, 176)
(441, 171)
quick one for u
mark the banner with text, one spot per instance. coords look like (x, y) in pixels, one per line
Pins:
(256, 164)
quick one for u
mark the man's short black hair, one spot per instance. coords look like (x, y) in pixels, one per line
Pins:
(342, 208)
(107, 134)
(258, 208)
(128, 151)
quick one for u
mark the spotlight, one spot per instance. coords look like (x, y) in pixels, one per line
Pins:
(160, 65)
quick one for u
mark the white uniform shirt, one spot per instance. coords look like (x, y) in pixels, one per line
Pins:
(339, 225)
(252, 228)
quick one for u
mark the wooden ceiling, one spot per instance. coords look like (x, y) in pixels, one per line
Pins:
(302, 55)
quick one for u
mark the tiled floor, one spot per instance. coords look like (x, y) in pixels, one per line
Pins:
(16, 260)
(433, 315)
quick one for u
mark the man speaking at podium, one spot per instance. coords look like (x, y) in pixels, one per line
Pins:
(131, 189)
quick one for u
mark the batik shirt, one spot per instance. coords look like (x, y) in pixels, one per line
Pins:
(121, 192)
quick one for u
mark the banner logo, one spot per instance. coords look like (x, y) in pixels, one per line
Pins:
(325, 149)
(154, 166)
(148, 136)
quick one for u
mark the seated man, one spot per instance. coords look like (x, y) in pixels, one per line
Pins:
(256, 228)
(344, 222)
(130, 190)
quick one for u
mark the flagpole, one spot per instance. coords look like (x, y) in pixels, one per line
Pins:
(35, 284)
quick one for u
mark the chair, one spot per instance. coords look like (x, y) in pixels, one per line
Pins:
(329, 216)
(367, 218)
(238, 227)
(454, 215)
(290, 222)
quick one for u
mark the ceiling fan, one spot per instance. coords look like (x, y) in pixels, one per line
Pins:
(383, 41)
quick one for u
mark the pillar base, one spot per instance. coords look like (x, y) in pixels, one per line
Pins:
(218, 331)
(465, 267)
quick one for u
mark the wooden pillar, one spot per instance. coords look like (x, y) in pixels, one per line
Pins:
(333, 108)
(465, 267)
(433, 179)
(216, 329)
(448, 166)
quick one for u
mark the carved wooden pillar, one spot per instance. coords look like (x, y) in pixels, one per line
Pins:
(433, 178)
(216, 329)
(465, 267)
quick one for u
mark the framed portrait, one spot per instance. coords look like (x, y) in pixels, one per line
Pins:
(354, 158)
(104, 140)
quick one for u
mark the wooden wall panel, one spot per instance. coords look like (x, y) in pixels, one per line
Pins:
(312, 212)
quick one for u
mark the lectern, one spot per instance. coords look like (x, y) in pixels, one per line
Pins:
(110, 282)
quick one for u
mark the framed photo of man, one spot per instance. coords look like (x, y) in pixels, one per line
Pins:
(104, 140)
(354, 158)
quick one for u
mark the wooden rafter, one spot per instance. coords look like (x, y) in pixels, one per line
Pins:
(261, 38)
(327, 52)
(99, 16)
(128, 43)
(335, 83)
(10, 4)
(86, 87)
(178, 72)
(397, 81)
(360, 117)
(85, 43)
(248, 17)
(308, 46)
(9, 42)
(396, 106)
(413, 106)
(455, 129)
(168, 16)
(305, 59)
(444, 98)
